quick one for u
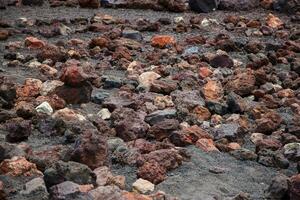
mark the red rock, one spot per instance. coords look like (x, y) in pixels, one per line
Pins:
(213, 90)
(242, 83)
(55, 101)
(286, 93)
(294, 189)
(18, 166)
(92, 150)
(162, 41)
(34, 43)
(204, 72)
(268, 123)
(163, 129)
(56, 54)
(31, 88)
(271, 144)
(267, 4)
(89, 3)
(135, 196)
(273, 21)
(233, 146)
(73, 76)
(152, 172)
(206, 145)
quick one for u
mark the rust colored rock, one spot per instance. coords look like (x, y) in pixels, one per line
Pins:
(206, 145)
(267, 4)
(34, 43)
(273, 21)
(162, 41)
(166, 158)
(204, 72)
(163, 86)
(91, 151)
(213, 90)
(74, 95)
(271, 144)
(31, 88)
(268, 123)
(19, 166)
(89, 3)
(294, 189)
(242, 83)
(135, 196)
(152, 172)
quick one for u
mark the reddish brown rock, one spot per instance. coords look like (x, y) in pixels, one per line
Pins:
(73, 76)
(162, 41)
(34, 43)
(242, 83)
(4, 34)
(31, 88)
(18, 166)
(206, 145)
(163, 129)
(201, 113)
(271, 144)
(99, 41)
(56, 54)
(204, 72)
(268, 123)
(18, 129)
(294, 189)
(92, 150)
(2, 192)
(152, 172)
(221, 61)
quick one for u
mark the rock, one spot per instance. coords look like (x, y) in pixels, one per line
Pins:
(273, 21)
(163, 129)
(164, 86)
(132, 34)
(160, 115)
(268, 143)
(146, 78)
(142, 186)
(52, 52)
(204, 72)
(101, 42)
(104, 114)
(124, 155)
(152, 172)
(244, 154)
(4, 34)
(268, 123)
(31, 88)
(70, 190)
(162, 41)
(206, 145)
(25, 109)
(213, 90)
(161, 102)
(91, 150)
(75, 95)
(203, 5)
(106, 192)
(33, 2)
(103, 175)
(68, 115)
(238, 5)
(68, 171)
(292, 151)
(230, 131)
(242, 83)
(89, 3)
(45, 107)
(236, 103)
(19, 166)
(216, 107)
(201, 113)
(73, 76)
(36, 188)
(7, 92)
(294, 185)
(2, 192)
(278, 188)
(256, 137)
(129, 125)
(18, 130)
(221, 61)
(49, 86)
(34, 43)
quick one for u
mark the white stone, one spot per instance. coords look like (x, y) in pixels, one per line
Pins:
(178, 19)
(50, 86)
(143, 186)
(146, 78)
(104, 113)
(34, 64)
(44, 107)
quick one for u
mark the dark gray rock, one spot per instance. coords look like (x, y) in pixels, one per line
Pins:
(203, 5)
(35, 189)
(160, 115)
(278, 188)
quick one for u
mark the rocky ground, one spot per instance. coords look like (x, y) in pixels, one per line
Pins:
(129, 104)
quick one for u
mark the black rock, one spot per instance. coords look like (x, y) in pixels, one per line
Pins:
(203, 5)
